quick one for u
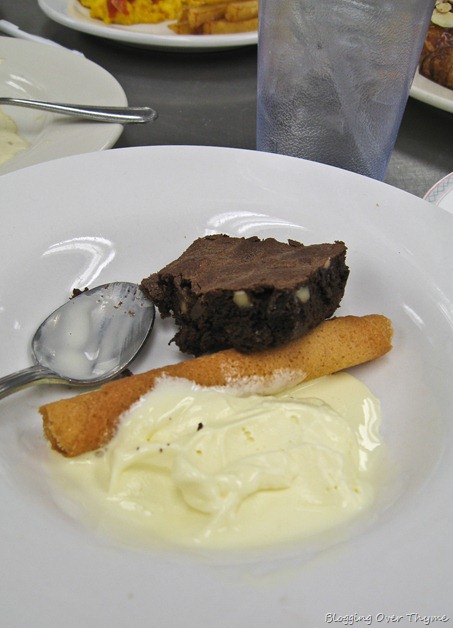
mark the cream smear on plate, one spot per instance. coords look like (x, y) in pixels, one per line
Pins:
(214, 468)
(10, 142)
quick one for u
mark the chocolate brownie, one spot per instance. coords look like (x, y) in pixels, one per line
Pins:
(247, 293)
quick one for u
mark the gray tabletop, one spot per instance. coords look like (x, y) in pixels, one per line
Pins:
(210, 99)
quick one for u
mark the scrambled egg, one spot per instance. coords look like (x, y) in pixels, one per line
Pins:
(133, 11)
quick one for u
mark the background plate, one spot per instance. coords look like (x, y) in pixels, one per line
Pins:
(431, 93)
(43, 72)
(122, 214)
(442, 193)
(70, 13)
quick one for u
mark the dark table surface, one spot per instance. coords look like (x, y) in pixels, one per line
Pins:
(209, 99)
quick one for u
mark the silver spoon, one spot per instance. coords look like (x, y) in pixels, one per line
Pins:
(120, 115)
(88, 340)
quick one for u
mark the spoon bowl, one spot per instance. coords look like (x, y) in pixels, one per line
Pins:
(89, 340)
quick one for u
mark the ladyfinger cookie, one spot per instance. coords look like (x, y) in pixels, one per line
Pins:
(88, 421)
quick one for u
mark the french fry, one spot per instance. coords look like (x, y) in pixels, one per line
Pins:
(197, 16)
(223, 27)
(239, 11)
(217, 17)
(199, 3)
(182, 28)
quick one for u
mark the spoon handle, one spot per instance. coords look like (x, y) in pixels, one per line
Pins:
(32, 375)
(121, 115)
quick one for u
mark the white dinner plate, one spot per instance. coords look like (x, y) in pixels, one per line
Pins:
(42, 72)
(442, 193)
(122, 214)
(431, 93)
(72, 14)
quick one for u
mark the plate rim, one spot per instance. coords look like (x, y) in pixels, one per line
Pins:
(431, 93)
(441, 189)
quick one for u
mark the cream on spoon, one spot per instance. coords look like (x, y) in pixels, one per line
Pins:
(89, 340)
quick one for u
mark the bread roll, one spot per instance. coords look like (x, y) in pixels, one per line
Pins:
(436, 59)
(88, 421)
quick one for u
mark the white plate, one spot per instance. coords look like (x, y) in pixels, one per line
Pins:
(431, 93)
(442, 193)
(43, 72)
(122, 214)
(70, 13)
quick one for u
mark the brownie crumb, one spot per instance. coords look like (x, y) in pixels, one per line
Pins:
(76, 292)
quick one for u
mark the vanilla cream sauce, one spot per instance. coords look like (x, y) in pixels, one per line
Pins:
(214, 468)
(10, 142)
